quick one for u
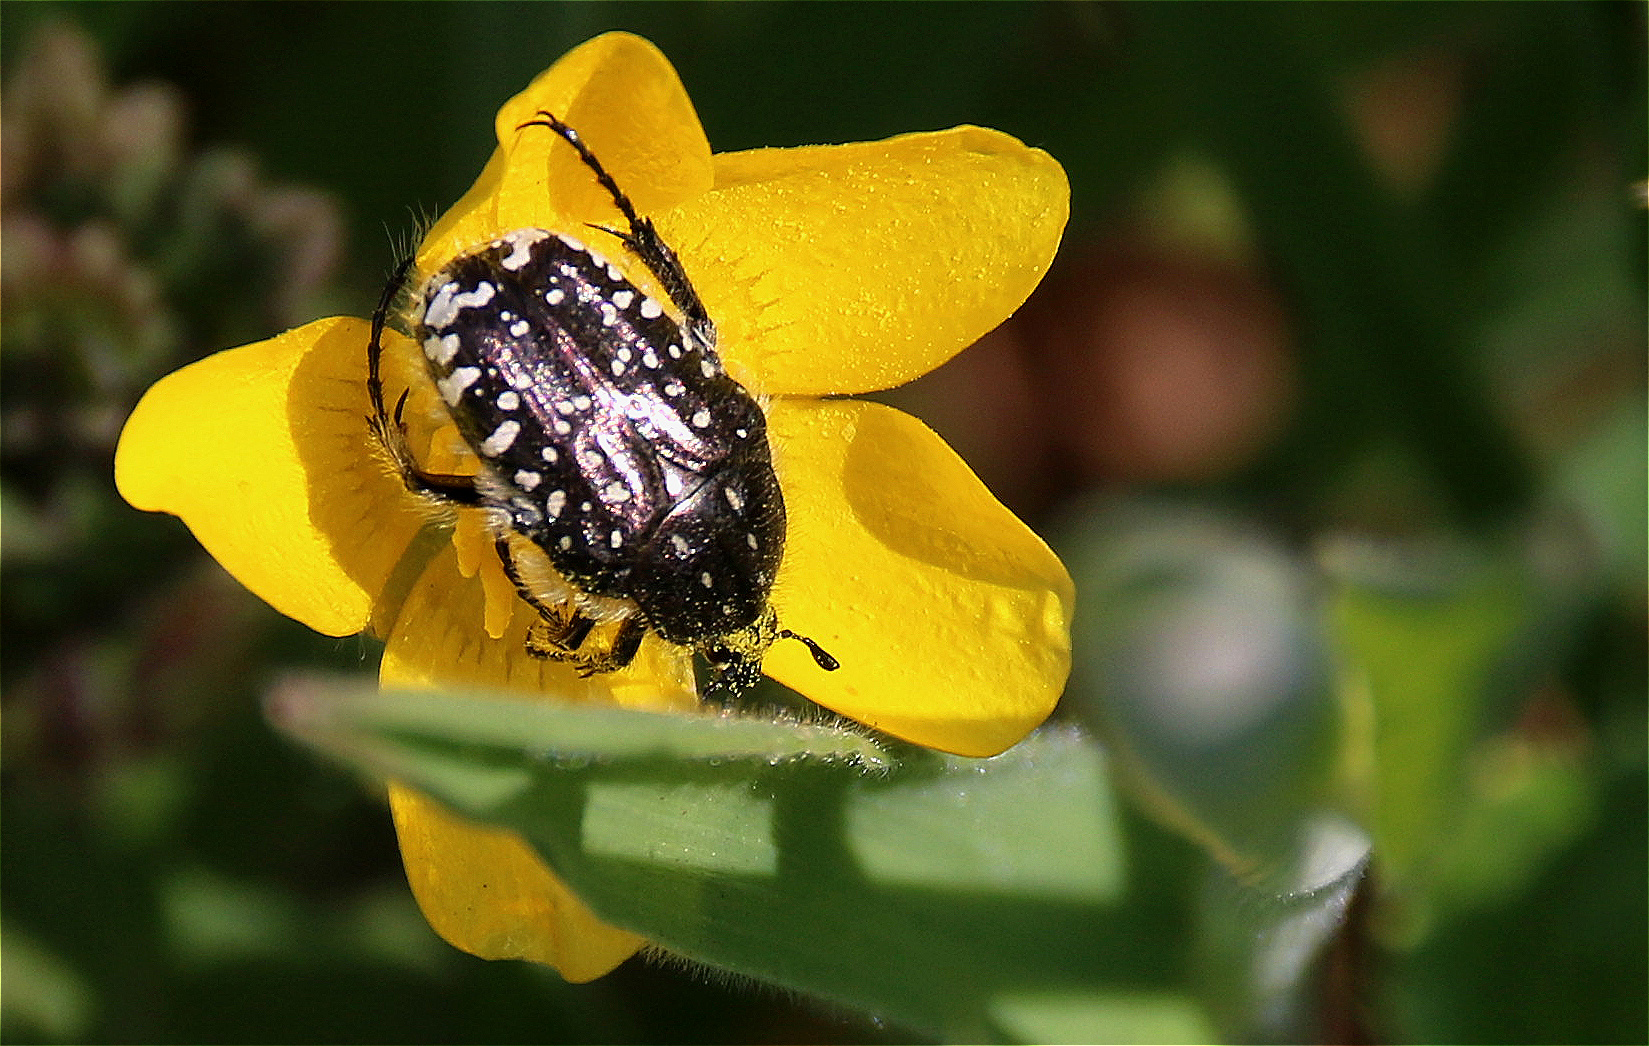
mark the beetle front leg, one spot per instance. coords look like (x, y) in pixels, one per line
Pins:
(558, 633)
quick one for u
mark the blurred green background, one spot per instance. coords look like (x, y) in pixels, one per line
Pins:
(1334, 403)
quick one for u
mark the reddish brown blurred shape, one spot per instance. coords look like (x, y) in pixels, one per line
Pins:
(1132, 363)
(1156, 366)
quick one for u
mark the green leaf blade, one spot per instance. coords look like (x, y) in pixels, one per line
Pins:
(914, 885)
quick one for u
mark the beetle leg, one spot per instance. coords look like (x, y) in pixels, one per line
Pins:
(390, 431)
(550, 612)
(642, 238)
(560, 631)
(559, 634)
(626, 642)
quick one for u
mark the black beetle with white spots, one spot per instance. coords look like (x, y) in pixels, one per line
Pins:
(626, 477)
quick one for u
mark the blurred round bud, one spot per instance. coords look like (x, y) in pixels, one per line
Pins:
(1202, 658)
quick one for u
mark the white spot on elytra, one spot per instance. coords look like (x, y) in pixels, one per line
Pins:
(508, 401)
(453, 385)
(651, 309)
(616, 538)
(707, 368)
(562, 427)
(701, 418)
(441, 350)
(750, 539)
(674, 388)
(706, 580)
(623, 298)
(555, 296)
(679, 543)
(444, 307)
(526, 479)
(549, 454)
(555, 503)
(618, 368)
(649, 360)
(501, 438)
(625, 354)
(581, 402)
(675, 352)
(672, 484)
(609, 315)
(520, 243)
(521, 380)
(612, 271)
(565, 543)
(741, 433)
(616, 493)
(735, 499)
(519, 329)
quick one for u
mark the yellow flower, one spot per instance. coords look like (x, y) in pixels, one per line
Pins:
(829, 270)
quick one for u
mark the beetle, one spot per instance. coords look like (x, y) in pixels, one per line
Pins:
(626, 477)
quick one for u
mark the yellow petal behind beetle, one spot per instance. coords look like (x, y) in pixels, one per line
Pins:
(840, 269)
(260, 450)
(625, 100)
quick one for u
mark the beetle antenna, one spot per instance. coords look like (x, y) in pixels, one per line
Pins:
(825, 661)
(642, 238)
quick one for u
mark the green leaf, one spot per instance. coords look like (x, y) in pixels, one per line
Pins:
(1426, 662)
(1261, 949)
(921, 887)
(1112, 1016)
(45, 993)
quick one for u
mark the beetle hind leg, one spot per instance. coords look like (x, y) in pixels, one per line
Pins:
(561, 630)
(560, 633)
(620, 651)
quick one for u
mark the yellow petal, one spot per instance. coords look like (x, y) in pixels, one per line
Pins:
(950, 618)
(847, 268)
(483, 889)
(264, 452)
(624, 99)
